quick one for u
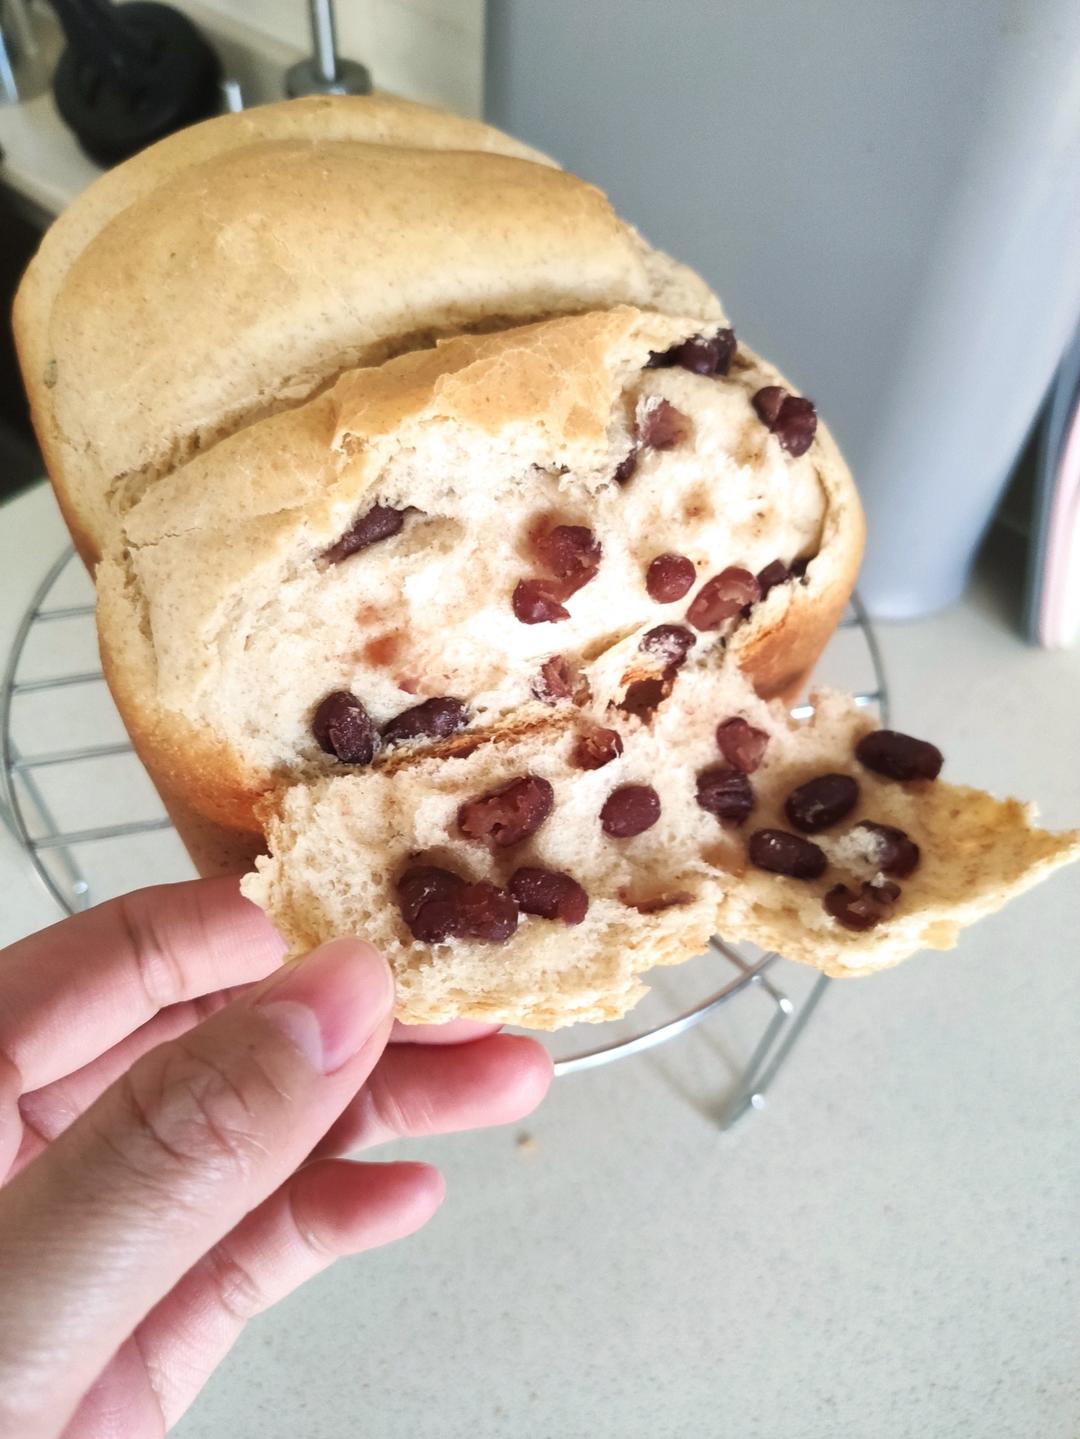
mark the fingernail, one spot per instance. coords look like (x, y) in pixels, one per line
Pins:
(331, 1001)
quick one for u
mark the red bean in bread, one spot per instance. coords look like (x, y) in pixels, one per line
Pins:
(630, 810)
(509, 814)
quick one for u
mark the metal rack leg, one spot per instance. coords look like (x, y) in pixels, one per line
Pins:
(80, 896)
(771, 1052)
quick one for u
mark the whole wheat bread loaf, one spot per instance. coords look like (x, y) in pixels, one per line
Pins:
(408, 471)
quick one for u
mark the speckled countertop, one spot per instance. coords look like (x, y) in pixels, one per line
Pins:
(887, 1251)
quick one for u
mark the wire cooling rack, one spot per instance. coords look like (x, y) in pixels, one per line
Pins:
(82, 807)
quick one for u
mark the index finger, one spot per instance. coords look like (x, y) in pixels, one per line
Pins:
(75, 989)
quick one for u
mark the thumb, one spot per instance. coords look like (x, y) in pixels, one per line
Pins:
(98, 1228)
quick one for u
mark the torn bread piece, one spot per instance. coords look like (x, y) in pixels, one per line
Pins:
(536, 880)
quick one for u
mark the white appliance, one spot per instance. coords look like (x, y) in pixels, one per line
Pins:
(886, 197)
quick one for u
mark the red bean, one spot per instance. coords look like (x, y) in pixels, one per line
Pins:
(378, 523)
(787, 854)
(343, 728)
(538, 602)
(555, 681)
(862, 910)
(670, 644)
(897, 852)
(741, 744)
(821, 802)
(899, 756)
(768, 402)
(700, 355)
(597, 747)
(425, 894)
(726, 793)
(433, 719)
(549, 894)
(437, 905)
(483, 911)
(571, 552)
(630, 810)
(509, 814)
(791, 418)
(664, 426)
(625, 468)
(775, 573)
(722, 597)
(669, 577)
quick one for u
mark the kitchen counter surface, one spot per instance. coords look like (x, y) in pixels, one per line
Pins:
(889, 1250)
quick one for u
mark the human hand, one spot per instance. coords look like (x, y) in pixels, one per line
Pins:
(171, 1109)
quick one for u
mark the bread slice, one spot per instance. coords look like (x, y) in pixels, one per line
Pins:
(223, 625)
(338, 845)
(232, 270)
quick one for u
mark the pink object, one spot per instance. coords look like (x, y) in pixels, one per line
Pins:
(1059, 603)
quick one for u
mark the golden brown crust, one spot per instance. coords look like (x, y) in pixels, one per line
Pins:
(371, 119)
(780, 658)
(213, 849)
(374, 119)
(173, 755)
(186, 762)
(558, 374)
(188, 291)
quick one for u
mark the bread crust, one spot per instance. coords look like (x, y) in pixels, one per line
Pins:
(191, 289)
(372, 120)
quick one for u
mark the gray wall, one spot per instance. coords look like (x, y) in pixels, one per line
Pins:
(853, 178)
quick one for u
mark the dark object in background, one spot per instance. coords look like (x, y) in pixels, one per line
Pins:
(20, 462)
(131, 74)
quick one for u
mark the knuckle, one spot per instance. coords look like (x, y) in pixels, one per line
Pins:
(305, 1227)
(184, 1112)
(237, 1289)
(393, 1115)
(158, 969)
